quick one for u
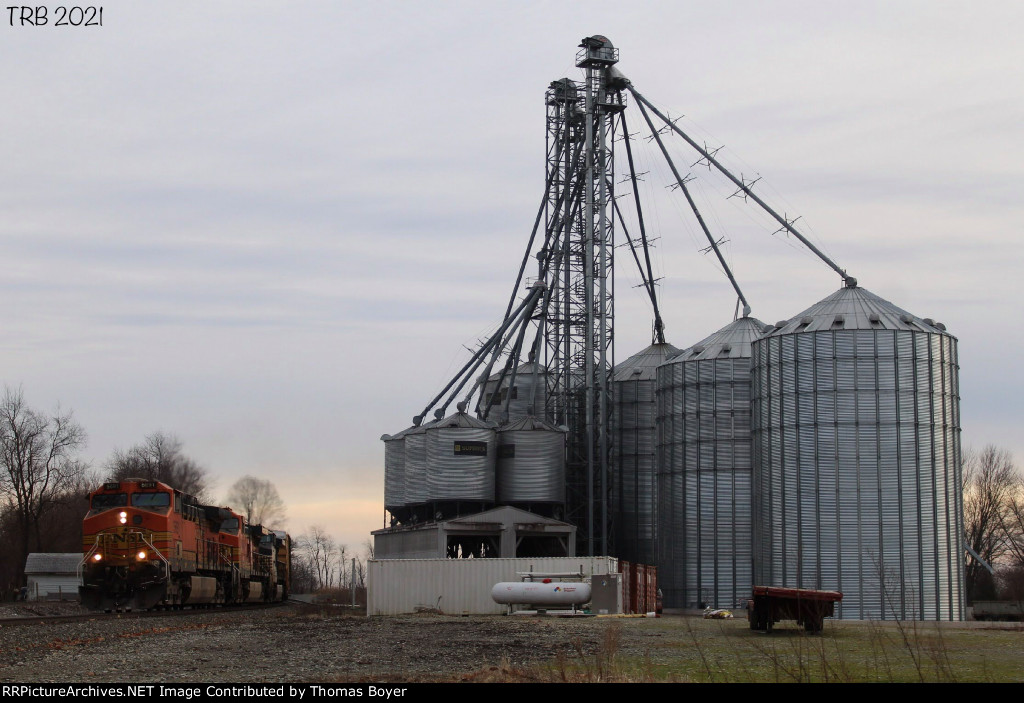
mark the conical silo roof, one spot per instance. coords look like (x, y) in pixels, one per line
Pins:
(731, 342)
(527, 367)
(642, 365)
(398, 435)
(529, 423)
(461, 419)
(854, 309)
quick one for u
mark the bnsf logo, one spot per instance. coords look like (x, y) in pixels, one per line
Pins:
(130, 538)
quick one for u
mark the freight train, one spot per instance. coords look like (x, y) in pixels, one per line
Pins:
(147, 545)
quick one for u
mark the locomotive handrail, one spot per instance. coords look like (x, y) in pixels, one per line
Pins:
(167, 564)
(81, 564)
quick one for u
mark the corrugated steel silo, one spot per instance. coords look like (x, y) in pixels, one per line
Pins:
(857, 474)
(704, 470)
(460, 455)
(394, 470)
(633, 453)
(531, 463)
(416, 465)
(528, 393)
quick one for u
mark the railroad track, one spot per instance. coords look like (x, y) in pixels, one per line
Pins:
(134, 614)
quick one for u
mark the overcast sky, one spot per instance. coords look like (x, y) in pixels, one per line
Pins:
(270, 228)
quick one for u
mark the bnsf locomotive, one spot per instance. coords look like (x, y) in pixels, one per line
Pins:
(148, 545)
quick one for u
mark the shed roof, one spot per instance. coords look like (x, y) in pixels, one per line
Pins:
(48, 563)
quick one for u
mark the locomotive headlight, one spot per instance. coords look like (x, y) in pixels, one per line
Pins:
(97, 557)
(142, 556)
(124, 517)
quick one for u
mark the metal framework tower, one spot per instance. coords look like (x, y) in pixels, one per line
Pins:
(580, 264)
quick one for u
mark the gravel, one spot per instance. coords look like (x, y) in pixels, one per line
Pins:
(295, 644)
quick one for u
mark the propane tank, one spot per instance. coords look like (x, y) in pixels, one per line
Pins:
(534, 593)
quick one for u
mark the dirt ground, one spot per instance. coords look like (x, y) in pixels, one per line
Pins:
(323, 644)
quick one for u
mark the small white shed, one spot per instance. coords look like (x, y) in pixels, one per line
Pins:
(53, 576)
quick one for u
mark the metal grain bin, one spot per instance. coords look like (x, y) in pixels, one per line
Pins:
(416, 465)
(460, 453)
(527, 394)
(704, 470)
(531, 463)
(633, 453)
(857, 472)
(394, 470)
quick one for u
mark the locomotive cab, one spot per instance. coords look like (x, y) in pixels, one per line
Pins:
(125, 542)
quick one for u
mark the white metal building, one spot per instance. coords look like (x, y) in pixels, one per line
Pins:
(53, 576)
(460, 586)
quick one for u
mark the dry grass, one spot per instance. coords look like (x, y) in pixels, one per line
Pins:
(690, 649)
(603, 665)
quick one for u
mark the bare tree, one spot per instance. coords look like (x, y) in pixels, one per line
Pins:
(38, 454)
(320, 549)
(360, 574)
(362, 563)
(259, 500)
(343, 558)
(160, 458)
(1013, 524)
(989, 480)
(302, 571)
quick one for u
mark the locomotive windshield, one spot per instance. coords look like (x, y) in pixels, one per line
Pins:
(155, 501)
(229, 525)
(106, 501)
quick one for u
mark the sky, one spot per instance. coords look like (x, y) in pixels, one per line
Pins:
(272, 229)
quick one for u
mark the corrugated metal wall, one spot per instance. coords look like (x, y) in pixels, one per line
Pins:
(634, 452)
(458, 586)
(394, 471)
(704, 522)
(634, 456)
(49, 586)
(452, 475)
(531, 463)
(421, 543)
(415, 467)
(704, 470)
(857, 468)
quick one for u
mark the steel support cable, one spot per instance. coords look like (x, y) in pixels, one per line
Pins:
(659, 325)
(523, 314)
(632, 249)
(482, 351)
(536, 226)
(513, 364)
(648, 283)
(693, 206)
(851, 282)
(539, 339)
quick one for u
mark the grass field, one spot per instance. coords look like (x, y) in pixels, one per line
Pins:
(692, 649)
